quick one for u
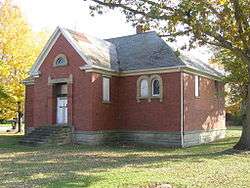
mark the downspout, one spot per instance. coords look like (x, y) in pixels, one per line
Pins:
(182, 109)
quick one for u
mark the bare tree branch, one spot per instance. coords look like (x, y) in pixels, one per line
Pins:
(222, 40)
(163, 5)
(118, 5)
(135, 11)
(179, 33)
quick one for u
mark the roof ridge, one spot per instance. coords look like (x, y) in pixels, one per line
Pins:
(88, 36)
(132, 35)
(103, 39)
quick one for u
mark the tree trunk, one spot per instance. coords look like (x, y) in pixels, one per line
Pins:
(244, 142)
(18, 117)
(19, 122)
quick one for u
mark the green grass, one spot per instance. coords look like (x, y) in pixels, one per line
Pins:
(5, 124)
(207, 166)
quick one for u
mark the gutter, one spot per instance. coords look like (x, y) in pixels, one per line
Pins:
(111, 72)
(182, 110)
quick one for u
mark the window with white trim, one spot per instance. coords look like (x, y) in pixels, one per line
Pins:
(60, 60)
(155, 88)
(149, 87)
(197, 86)
(144, 88)
(106, 89)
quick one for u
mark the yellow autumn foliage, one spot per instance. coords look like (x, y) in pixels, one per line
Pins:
(19, 47)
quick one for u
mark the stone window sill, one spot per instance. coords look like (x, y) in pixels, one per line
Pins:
(61, 65)
(106, 102)
(149, 98)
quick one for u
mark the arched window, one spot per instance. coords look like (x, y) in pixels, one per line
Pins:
(60, 60)
(144, 88)
(155, 88)
(149, 87)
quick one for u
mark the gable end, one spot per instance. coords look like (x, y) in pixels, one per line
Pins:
(52, 40)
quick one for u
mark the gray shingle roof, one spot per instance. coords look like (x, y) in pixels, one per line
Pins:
(199, 65)
(97, 51)
(135, 52)
(144, 51)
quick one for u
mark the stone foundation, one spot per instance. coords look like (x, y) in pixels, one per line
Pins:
(95, 137)
(192, 138)
(29, 130)
(166, 139)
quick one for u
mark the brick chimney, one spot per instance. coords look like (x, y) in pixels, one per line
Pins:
(139, 29)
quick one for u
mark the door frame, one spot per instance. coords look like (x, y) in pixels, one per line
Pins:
(66, 114)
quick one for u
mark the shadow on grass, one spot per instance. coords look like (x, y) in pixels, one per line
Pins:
(82, 181)
(238, 128)
(77, 165)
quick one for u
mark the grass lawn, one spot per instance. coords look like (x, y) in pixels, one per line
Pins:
(212, 165)
(5, 124)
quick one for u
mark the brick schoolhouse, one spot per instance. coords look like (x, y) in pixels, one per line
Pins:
(128, 89)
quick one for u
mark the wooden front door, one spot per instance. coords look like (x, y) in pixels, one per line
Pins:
(62, 110)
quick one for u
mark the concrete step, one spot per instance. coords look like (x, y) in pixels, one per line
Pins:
(32, 143)
(33, 139)
(57, 135)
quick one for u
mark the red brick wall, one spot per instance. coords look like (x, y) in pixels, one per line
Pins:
(43, 113)
(105, 115)
(205, 112)
(28, 114)
(125, 113)
(154, 115)
(85, 108)
(88, 110)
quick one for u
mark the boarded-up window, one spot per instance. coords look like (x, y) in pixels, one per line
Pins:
(197, 86)
(144, 88)
(106, 89)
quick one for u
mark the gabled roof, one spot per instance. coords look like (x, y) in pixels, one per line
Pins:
(129, 53)
(92, 50)
(35, 68)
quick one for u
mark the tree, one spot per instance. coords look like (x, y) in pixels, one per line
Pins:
(220, 23)
(2, 93)
(19, 47)
(236, 75)
(237, 81)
